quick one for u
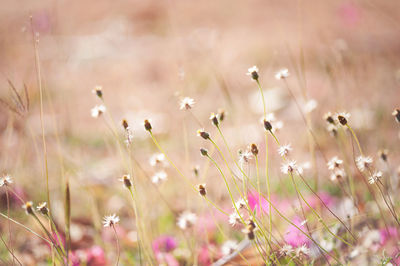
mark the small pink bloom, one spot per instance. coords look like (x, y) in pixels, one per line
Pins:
(386, 235)
(164, 244)
(95, 256)
(294, 236)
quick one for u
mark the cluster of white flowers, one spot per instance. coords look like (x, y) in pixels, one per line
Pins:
(335, 165)
(375, 177)
(234, 219)
(245, 157)
(288, 250)
(186, 220)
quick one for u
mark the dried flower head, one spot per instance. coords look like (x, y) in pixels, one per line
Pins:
(110, 220)
(289, 167)
(42, 208)
(202, 189)
(383, 154)
(249, 232)
(343, 118)
(254, 149)
(5, 180)
(203, 134)
(253, 72)
(196, 170)
(363, 162)
(335, 162)
(267, 125)
(186, 220)
(98, 110)
(126, 179)
(214, 119)
(396, 114)
(375, 177)
(282, 74)
(204, 152)
(147, 125)
(284, 150)
(221, 114)
(186, 103)
(98, 90)
(125, 124)
(28, 206)
(159, 177)
(250, 223)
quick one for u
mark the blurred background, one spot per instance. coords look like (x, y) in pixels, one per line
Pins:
(147, 55)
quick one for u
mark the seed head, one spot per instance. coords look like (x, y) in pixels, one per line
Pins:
(147, 125)
(204, 152)
(196, 170)
(125, 124)
(254, 149)
(250, 223)
(42, 208)
(221, 114)
(126, 179)
(249, 232)
(28, 206)
(203, 134)
(253, 72)
(214, 119)
(396, 114)
(383, 154)
(267, 125)
(202, 189)
(343, 117)
(98, 90)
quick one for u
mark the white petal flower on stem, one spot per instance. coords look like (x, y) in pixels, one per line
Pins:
(335, 162)
(286, 250)
(110, 220)
(5, 180)
(289, 167)
(98, 110)
(186, 103)
(186, 219)
(229, 247)
(302, 250)
(240, 203)
(363, 162)
(234, 219)
(158, 158)
(253, 72)
(245, 157)
(282, 74)
(159, 177)
(375, 177)
(338, 174)
(284, 150)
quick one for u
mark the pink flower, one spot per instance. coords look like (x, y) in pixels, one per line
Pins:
(294, 236)
(314, 201)
(386, 235)
(164, 244)
(254, 200)
(95, 256)
(205, 257)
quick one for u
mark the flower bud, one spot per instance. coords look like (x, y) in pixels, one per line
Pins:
(267, 125)
(202, 189)
(204, 152)
(203, 134)
(147, 125)
(254, 149)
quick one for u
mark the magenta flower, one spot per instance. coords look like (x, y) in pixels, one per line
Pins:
(294, 236)
(164, 244)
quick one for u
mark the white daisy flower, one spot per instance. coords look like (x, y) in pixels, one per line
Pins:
(240, 204)
(286, 250)
(159, 177)
(245, 157)
(110, 220)
(186, 219)
(338, 174)
(289, 167)
(234, 219)
(302, 250)
(335, 162)
(98, 110)
(282, 74)
(375, 177)
(363, 162)
(5, 180)
(342, 118)
(284, 150)
(186, 103)
(158, 159)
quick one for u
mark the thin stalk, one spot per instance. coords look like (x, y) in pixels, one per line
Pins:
(9, 225)
(117, 244)
(11, 252)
